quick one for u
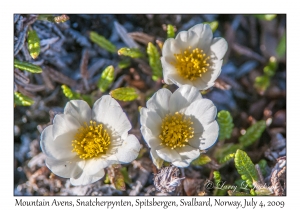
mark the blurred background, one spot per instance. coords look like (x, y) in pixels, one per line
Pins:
(70, 53)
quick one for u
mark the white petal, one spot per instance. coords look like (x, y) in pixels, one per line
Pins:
(151, 140)
(210, 136)
(175, 78)
(196, 140)
(59, 148)
(95, 164)
(213, 73)
(151, 120)
(85, 179)
(200, 84)
(203, 110)
(219, 47)
(168, 154)
(129, 150)
(64, 123)
(65, 169)
(183, 97)
(205, 35)
(159, 102)
(157, 161)
(186, 39)
(108, 111)
(188, 154)
(80, 110)
(170, 47)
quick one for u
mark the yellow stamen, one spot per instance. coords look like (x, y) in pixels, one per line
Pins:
(191, 64)
(91, 141)
(176, 130)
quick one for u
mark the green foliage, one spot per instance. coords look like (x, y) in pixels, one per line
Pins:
(22, 100)
(245, 167)
(154, 61)
(227, 158)
(130, 52)
(263, 166)
(281, 47)
(124, 172)
(217, 176)
(263, 82)
(33, 44)
(102, 42)
(123, 64)
(25, 66)
(170, 31)
(226, 149)
(213, 25)
(201, 160)
(218, 183)
(267, 17)
(226, 125)
(124, 94)
(69, 93)
(252, 133)
(107, 77)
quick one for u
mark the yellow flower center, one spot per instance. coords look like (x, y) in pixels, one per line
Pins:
(176, 130)
(191, 64)
(91, 140)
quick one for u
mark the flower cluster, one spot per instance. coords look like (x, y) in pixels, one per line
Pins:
(176, 126)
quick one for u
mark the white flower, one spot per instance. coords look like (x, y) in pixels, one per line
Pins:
(82, 142)
(194, 57)
(177, 126)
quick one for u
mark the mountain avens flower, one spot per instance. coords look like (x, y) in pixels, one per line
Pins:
(194, 57)
(177, 126)
(83, 141)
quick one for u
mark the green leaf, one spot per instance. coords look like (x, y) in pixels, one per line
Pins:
(124, 94)
(27, 66)
(170, 31)
(102, 42)
(130, 52)
(69, 93)
(33, 44)
(252, 133)
(107, 77)
(154, 61)
(22, 100)
(123, 64)
(263, 166)
(125, 175)
(226, 125)
(227, 158)
(268, 17)
(201, 160)
(281, 47)
(213, 25)
(262, 82)
(271, 68)
(217, 177)
(245, 167)
(226, 149)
